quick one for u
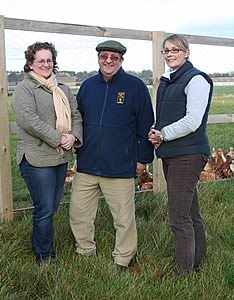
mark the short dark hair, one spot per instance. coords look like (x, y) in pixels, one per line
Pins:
(31, 51)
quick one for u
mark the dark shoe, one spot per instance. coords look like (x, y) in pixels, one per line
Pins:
(133, 261)
(120, 269)
(180, 272)
(46, 261)
(92, 253)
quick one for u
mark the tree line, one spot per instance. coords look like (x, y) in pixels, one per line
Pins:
(14, 77)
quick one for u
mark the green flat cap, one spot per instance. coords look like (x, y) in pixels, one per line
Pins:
(111, 45)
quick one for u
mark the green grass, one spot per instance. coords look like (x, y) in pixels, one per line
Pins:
(93, 278)
(11, 115)
(221, 135)
(222, 100)
(223, 90)
(222, 105)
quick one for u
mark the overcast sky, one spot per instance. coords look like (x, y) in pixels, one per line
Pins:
(205, 17)
(200, 17)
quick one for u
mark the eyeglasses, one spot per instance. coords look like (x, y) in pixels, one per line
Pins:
(173, 51)
(43, 62)
(113, 58)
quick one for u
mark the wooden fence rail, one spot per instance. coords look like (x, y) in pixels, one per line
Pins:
(6, 203)
(212, 119)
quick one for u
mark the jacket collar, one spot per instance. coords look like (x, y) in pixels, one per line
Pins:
(176, 74)
(35, 84)
(115, 77)
(186, 66)
(32, 80)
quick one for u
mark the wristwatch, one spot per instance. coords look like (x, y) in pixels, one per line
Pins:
(161, 137)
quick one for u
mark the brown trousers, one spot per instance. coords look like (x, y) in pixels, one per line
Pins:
(182, 174)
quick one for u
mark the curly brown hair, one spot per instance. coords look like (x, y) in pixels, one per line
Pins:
(31, 51)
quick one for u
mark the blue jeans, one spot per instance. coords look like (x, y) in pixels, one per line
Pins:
(45, 185)
(182, 174)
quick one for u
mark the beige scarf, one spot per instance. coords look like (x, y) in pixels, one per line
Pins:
(61, 103)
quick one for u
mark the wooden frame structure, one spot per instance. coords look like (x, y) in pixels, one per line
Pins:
(6, 203)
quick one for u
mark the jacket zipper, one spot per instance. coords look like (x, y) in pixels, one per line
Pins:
(104, 104)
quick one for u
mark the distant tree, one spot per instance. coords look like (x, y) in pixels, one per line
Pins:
(67, 73)
(146, 75)
(15, 76)
(81, 76)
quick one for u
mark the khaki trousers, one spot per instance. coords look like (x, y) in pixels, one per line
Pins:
(119, 194)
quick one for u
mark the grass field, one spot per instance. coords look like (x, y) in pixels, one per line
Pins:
(222, 100)
(76, 278)
(93, 278)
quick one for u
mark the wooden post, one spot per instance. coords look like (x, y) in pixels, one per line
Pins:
(6, 200)
(158, 69)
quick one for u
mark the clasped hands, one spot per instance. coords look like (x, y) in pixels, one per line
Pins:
(67, 141)
(154, 136)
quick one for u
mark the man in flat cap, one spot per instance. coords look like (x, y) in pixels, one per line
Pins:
(117, 115)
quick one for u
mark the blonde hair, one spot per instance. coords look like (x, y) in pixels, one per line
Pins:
(179, 40)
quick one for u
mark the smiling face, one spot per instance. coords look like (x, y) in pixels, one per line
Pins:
(174, 60)
(43, 63)
(109, 63)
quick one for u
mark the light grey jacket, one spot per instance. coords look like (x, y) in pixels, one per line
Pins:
(38, 137)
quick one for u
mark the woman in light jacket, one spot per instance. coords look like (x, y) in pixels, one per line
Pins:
(48, 125)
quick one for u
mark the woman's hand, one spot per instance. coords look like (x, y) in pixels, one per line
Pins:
(155, 137)
(67, 141)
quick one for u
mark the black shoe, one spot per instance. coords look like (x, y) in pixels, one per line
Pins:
(133, 261)
(46, 261)
(180, 272)
(120, 269)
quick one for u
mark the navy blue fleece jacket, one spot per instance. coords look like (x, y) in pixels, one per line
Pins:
(117, 115)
